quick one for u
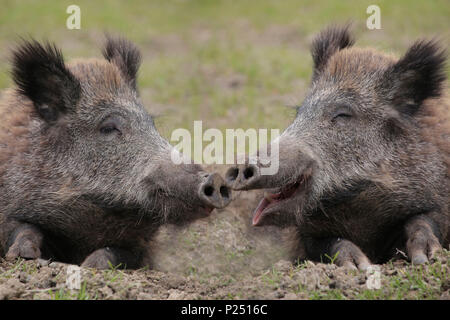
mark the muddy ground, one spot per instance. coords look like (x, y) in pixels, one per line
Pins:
(223, 257)
(399, 280)
(232, 65)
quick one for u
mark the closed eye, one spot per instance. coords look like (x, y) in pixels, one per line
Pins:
(110, 126)
(109, 129)
(344, 113)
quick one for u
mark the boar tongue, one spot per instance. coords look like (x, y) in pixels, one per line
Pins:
(257, 214)
(270, 198)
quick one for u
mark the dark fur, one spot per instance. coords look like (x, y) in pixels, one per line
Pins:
(125, 55)
(372, 140)
(417, 76)
(41, 75)
(84, 175)
(328, 42)
(378, 223)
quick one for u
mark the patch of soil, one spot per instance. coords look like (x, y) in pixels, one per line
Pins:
(40, 280)
(223, 257)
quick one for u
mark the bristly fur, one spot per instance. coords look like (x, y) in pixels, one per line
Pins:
(417, 76)
(372, 136)
(94, 186)
(125, 56)
(328, 42)
(41, 75)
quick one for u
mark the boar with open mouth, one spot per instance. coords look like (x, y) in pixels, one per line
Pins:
(364, 167)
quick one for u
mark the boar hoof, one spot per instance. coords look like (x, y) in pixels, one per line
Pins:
(419, 259)
(23, 248)
(100, 259)
(422, 247)
(350, 256)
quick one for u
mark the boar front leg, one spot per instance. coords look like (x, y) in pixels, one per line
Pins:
(422, 239)
(113, 257)
(342, 252)
(25, 242)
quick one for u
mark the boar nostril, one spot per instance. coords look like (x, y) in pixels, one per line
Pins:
(224, 192)
(209, 190)
(232, 174)
(248, 173)
(215, 192)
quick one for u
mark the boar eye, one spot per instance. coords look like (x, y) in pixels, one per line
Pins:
(342, 113)
(108, 129)
(110, 126)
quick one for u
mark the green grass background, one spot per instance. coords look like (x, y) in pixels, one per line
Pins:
(232, 64)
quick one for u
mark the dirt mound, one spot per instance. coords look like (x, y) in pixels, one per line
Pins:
(398, 280)
(223, 257)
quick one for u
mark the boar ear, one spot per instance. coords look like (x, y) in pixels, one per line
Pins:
(125, 55)
(418, 75)
(327, 43)
(41, 75)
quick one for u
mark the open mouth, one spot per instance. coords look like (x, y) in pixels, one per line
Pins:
(272, 200)
(206, 211)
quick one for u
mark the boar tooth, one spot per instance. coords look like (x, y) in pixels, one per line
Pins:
(269, 196)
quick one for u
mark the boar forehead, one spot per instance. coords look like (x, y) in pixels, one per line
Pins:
(97, 74)
(350, 78)
(104, 92)
(354, 65)
(102, 81)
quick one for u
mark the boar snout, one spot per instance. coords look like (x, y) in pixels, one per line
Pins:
(243, 177)
(214, 191)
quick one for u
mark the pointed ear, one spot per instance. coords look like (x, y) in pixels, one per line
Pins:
(328, 42)
(418, 75)
(125, 55)
(41, 75)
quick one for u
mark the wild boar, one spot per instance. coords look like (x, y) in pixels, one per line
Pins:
(85, 177)
(364, 167)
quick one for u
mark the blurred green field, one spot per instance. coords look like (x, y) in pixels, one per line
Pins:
(232, 64)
